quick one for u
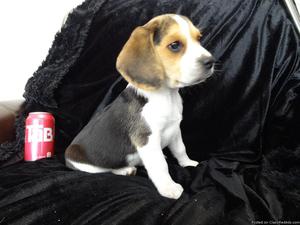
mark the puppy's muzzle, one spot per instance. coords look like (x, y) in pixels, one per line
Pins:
(207, 62)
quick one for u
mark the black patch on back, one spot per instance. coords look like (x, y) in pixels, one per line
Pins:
(114, 133)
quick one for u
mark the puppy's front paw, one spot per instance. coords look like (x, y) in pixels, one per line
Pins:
(171, 190)
(188, 163)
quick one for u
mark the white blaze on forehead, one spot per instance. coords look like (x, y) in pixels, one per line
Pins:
(190, 66)
(185, 29)
(184, 26)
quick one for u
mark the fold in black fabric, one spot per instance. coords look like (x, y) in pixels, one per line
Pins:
(242, 124)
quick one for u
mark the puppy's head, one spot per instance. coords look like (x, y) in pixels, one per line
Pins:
(165, 52)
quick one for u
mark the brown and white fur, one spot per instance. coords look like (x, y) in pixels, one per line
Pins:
(159, 58)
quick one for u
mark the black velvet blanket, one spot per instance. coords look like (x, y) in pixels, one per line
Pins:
(242, 124)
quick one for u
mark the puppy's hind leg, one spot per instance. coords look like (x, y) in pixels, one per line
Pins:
(76, 159)
(125, 171)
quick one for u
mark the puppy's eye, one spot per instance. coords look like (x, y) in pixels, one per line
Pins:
(175, 46)
(198, 38)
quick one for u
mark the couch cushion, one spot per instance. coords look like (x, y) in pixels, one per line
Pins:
(8, 113)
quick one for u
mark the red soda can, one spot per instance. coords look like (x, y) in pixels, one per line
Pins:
(39, 136)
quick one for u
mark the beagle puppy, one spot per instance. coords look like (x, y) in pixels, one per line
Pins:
(159, 58)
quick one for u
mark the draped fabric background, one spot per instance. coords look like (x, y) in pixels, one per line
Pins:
(242, 124)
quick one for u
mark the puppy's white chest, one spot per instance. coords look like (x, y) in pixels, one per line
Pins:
(163, 114)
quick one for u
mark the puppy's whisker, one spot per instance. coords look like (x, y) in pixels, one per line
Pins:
(218, 70)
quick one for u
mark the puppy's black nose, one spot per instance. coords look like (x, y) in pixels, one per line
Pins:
(208, 62)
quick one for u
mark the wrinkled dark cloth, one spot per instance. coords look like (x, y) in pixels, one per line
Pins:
(242, 124)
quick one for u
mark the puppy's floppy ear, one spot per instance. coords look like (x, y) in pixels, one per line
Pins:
(138, 61)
